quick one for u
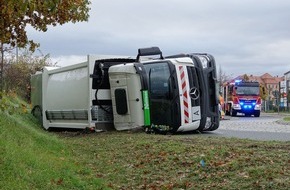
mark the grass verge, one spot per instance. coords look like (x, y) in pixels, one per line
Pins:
(141, 161)
(31, 158)
(286, 118)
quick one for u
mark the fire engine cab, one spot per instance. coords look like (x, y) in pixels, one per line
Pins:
(242, 97)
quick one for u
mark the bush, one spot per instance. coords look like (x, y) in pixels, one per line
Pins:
(17, 73)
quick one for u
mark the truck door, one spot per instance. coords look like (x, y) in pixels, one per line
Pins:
(163, 93)
(102, 103)
(125, 84)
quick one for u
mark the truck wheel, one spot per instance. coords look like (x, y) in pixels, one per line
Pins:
(37, 112)
(257, 114)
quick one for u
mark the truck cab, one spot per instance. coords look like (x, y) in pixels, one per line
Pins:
(175, 91)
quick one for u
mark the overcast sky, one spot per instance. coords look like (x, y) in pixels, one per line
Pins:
(244, 36)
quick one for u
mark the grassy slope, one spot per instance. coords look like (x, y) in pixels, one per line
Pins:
(31, 158)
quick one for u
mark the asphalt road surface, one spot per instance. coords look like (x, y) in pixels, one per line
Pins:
(266, 127)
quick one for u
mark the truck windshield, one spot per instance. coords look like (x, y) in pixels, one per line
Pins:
(247, 90)
(158, 75)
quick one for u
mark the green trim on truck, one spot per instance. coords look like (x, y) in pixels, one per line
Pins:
(145, 96)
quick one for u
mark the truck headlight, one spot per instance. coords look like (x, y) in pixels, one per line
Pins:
(204, 61)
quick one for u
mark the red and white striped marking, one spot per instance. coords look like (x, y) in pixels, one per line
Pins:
(185, 98)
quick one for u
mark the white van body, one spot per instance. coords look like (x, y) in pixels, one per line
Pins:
(64, 95)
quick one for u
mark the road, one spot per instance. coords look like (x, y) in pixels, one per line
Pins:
(266, 127)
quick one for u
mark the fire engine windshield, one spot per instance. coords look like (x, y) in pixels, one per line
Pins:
(247, 90)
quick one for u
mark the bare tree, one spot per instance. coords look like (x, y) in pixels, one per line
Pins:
(222, 77)
(16, 15)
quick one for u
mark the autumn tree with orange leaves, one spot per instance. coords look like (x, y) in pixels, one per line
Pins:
(15, 15)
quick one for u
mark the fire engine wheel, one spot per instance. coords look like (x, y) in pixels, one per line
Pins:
(257, 114)
(228, 109)
(233, 112)
(227, 112)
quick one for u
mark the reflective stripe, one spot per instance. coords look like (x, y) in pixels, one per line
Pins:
(184, 94)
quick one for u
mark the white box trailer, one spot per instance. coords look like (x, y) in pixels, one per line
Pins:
(62, 97)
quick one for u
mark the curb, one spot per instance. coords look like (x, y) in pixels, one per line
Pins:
(282, 122)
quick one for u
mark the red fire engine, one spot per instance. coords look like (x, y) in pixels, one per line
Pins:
(242, 97)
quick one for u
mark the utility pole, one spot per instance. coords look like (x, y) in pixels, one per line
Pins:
(1, 70)
(268, 99)
(287, 92)
(16, 52)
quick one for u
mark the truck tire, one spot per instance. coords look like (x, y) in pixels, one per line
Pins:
(37, 112)
(257, 114)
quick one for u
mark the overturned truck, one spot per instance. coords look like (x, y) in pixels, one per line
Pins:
(176, 93)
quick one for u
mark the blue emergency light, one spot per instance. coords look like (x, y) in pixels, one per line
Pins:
(238, 81)
(247, 106)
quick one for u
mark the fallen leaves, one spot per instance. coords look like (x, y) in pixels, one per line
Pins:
(159, 162)
(56, 181)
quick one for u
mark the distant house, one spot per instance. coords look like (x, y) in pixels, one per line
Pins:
(287, 77)
(271, 83)
(287, 87)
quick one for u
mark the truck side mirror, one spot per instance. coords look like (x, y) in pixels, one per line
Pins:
(148, 52)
